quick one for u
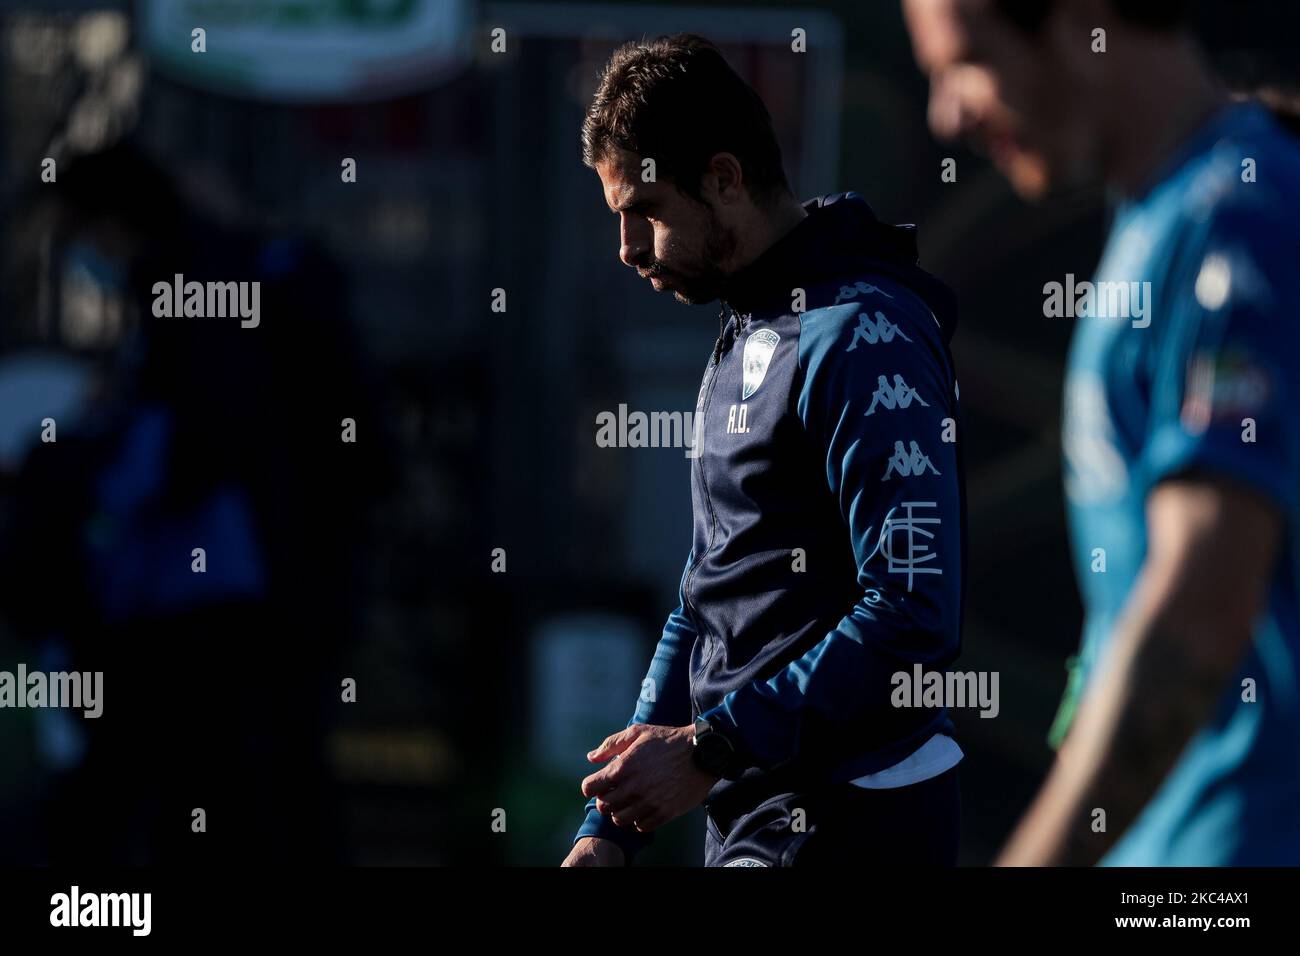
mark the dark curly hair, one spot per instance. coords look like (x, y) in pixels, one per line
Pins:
(675, 100)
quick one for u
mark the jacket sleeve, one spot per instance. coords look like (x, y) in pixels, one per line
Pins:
(665, 699)
(878, 399)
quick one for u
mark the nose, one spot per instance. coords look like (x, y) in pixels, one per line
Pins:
(947, 114)
(635, 241)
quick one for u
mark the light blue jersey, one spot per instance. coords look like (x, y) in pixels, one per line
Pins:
(1187, 358)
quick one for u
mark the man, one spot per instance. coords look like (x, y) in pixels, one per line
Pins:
(827, 550)
(1180, 436)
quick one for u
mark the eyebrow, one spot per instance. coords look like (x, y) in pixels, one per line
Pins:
(633, 204)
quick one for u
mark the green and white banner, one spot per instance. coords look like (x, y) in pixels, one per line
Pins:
(308, 50)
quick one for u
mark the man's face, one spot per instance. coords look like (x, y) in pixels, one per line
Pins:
(1017, 98)
(677, 243)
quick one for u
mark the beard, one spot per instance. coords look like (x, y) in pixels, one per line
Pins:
(706, 280)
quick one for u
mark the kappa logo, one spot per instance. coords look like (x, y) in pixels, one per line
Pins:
(899, 395)
(859, 288)
(907, 463)
(881, 330)
(758, 356)
(744, 861)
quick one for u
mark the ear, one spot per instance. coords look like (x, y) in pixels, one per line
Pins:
(727, 179)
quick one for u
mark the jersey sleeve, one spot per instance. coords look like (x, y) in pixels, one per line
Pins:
(878, 401)
(665, 700)
(1224, 386)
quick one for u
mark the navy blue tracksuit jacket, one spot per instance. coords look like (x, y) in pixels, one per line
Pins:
(829, 511)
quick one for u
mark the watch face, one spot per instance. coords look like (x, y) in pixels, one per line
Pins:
(712, 753)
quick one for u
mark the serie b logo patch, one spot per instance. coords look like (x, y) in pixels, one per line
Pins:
(758, 356)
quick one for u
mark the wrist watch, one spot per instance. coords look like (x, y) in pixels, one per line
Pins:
(714, 753)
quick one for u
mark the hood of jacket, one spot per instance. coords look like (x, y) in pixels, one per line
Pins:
(839, 240)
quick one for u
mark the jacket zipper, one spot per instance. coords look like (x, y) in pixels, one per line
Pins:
(725, 315)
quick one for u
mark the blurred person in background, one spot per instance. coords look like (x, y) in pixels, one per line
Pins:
(1180, 432)
(820, 439)
(218, 686)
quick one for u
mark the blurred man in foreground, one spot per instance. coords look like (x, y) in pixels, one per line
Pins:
(1181, 439)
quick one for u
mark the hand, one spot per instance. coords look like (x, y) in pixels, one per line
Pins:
(651, 778)
(595, 851)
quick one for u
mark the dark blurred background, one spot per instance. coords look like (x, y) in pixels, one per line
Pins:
(477, 690)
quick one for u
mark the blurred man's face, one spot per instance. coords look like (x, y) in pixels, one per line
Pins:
(680, 245)
(1017, 98)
